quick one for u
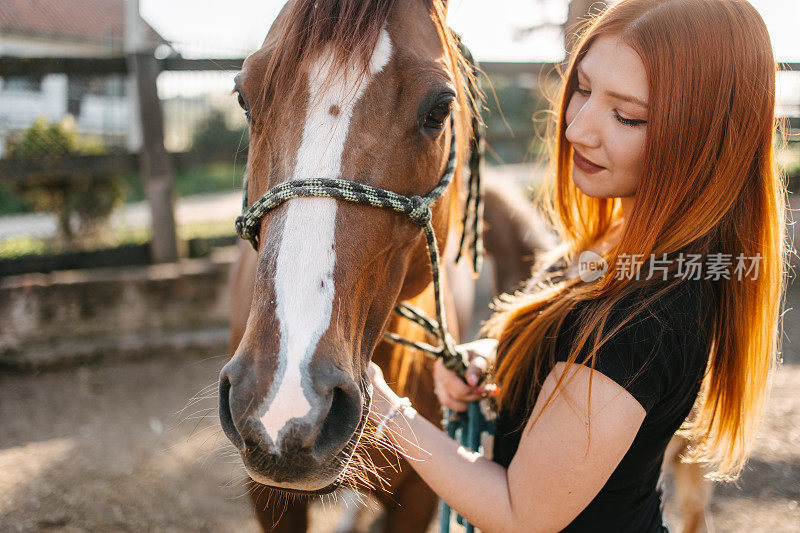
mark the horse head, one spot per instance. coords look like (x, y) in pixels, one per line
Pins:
(368, 92)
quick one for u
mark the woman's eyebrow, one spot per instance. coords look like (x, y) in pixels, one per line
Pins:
(627, 98)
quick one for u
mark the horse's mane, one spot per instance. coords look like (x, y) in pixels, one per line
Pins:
(351, 29)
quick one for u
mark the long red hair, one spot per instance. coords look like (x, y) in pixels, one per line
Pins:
(709, 185)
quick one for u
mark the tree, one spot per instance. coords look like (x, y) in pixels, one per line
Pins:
(577, 12)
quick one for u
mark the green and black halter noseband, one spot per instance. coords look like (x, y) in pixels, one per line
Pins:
(416, 208)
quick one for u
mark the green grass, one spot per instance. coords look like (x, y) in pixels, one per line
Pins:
(216, 177)
(22, 246)
(206, 229)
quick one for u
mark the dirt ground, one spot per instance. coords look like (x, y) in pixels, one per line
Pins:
(111, 448)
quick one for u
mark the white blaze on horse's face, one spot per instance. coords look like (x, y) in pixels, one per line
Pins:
(304, 283)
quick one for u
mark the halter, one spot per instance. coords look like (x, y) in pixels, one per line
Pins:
(416, 208)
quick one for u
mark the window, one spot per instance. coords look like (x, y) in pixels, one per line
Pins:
(23, 83)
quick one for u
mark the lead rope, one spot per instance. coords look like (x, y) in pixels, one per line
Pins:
(478, 420)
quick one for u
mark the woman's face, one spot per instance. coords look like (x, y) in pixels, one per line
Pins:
(603, 125)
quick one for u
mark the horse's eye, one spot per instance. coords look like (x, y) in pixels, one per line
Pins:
(243, 105)
(438, 115)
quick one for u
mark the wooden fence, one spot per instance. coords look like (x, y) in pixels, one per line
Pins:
(153, 162)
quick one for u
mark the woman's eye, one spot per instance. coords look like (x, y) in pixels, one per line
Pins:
(622, 120)
(628, 121)
(437, 116)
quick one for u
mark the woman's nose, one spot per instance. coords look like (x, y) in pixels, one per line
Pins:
(582, 129)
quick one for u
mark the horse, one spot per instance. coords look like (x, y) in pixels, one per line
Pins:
(374, 93)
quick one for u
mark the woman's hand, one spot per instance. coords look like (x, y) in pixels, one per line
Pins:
(450, 389)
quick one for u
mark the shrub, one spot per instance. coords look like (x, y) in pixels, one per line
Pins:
(85, 197)
(214, 135)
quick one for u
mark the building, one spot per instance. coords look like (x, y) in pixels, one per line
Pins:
(66, 28)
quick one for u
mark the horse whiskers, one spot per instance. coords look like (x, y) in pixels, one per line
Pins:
(197, 399)
(209, 358)
(201, 417)
(390, 464)
(357, 474)
(201, 394)
(197, 425)
(283, 511)
(360, 470)
(407, 441)
(360, 501)
(204, 412)
(222, 452)
(199, 428)
(213, 428)
(210, 386)
(386, 443)
(379, 446)
(197, 411)
(204, 392)
(242, 480)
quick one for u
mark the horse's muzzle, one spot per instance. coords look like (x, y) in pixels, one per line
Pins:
(309, 450)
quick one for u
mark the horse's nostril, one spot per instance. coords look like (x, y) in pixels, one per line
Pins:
(225, 416)
(340, 423)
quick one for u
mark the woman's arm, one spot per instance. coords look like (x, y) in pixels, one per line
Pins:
(556, 471)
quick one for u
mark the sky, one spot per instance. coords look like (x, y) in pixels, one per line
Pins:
(206, 27)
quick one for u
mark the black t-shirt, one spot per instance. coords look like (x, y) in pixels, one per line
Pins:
(659, 357)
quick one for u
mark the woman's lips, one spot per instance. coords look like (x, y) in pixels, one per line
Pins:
(584, 164)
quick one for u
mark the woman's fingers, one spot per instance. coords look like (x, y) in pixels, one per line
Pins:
(451, 390)
(476, 370)
(450, 381)
(448, 401)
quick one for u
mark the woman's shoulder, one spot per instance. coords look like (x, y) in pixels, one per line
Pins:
(651, 336)
(684, 304)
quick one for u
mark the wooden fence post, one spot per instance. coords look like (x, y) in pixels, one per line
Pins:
(154, 162)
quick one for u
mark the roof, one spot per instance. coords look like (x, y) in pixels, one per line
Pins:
(101, 21)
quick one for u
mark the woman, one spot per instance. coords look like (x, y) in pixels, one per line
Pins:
(664, 146)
